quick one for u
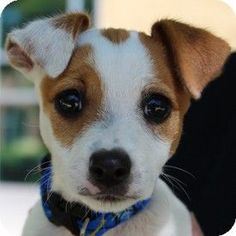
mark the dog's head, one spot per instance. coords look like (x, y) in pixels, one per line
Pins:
(112, 101)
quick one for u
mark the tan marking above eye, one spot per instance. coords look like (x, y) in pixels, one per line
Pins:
(116, 35)
(66, 130)
(157, 87)
(65, 84)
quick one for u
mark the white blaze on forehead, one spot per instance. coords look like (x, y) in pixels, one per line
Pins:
(124, 68)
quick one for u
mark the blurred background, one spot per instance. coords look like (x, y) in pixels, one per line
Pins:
(21, 147)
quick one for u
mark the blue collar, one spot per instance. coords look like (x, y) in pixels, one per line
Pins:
(77, 218)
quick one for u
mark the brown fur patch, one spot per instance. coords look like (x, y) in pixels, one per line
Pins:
(18, 57)
(115, 35)
(73, 23)
(197, 55)
(166, 84)
(81, 76)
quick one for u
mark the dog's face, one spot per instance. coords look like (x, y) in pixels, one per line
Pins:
(112, 102)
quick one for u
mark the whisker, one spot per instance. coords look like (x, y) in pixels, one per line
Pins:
(35, 169)
(49, 195)
(174, 186)
(180, 169)
(87, 212)
(172, 177)
(177, 181)
(41, 178)
(169, 180)
(31, 171)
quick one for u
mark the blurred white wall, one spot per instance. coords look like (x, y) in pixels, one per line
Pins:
(15, 201)
(213, 15)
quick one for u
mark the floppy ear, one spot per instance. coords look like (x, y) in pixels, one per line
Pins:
(196, 55)
(46, 44)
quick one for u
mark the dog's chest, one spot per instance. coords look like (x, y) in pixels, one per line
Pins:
(165, 216)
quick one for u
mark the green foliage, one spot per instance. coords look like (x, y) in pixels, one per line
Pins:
(40, 8)
(24, 148)
(19, 157)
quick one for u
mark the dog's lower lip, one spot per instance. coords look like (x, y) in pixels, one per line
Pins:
(110, 197)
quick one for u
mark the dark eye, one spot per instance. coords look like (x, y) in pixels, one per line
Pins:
(156, 108)
(69, 103)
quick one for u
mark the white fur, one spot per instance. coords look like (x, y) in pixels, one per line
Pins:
(124, 69)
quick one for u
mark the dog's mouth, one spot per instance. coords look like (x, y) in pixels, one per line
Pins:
(108, 200)
(110, 197)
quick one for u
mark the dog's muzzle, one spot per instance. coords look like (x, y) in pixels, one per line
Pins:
(76, 217)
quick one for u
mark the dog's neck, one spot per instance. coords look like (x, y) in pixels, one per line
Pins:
(78, 218)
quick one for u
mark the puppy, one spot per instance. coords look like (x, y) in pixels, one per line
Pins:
(112, 104)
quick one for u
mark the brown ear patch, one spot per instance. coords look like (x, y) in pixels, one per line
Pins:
(73, 23)
(115, 35)
(197, 55)
(18, 56)
(79, 75)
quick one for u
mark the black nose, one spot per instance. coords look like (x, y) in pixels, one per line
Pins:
(109, 168)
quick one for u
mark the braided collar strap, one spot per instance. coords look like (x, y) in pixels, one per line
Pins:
(77, 218)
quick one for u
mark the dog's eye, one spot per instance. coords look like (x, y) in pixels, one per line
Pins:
(156, 108)
(69, 103)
